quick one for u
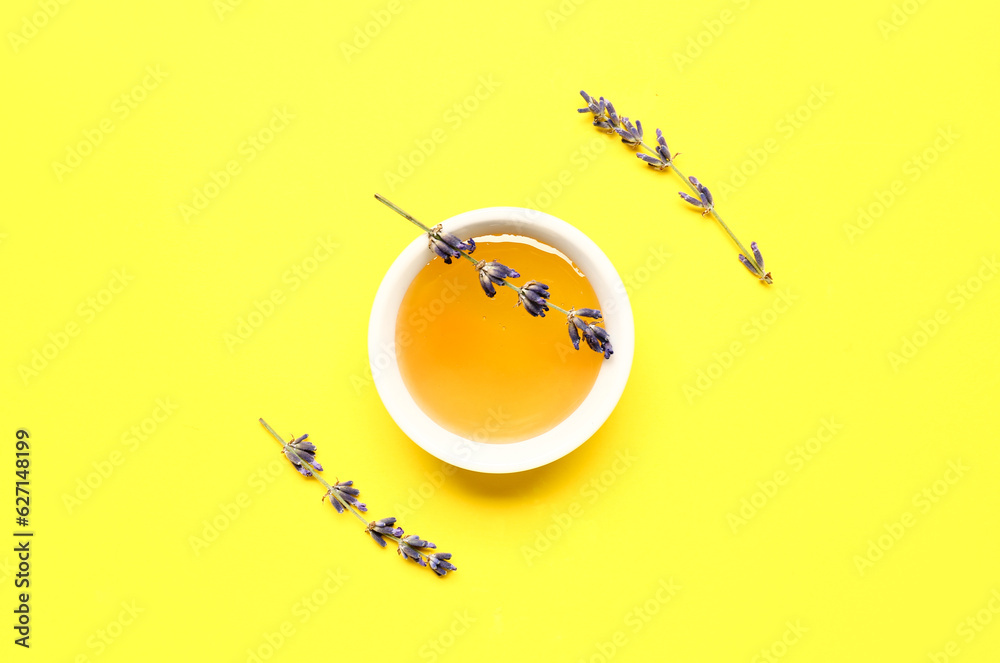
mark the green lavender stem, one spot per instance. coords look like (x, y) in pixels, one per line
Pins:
(715, 214)
(403, 213)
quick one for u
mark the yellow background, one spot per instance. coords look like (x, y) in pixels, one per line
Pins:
(556, 563)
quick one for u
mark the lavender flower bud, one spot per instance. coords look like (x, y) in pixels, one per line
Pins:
(533, 295)
(757, 256)
(440, 564)
(416, 542)
(704, 200)
(446, 245)
(591, 338)
(409, 553)
(631, 135)
(597, 338)
(654, 162)
(409, 546)
(604, 338)
(588, 313)
(301, 452)
(592, 106)
(383, 526)
(612, 114)
(347, 493)
(693, 201)
(703, 192)
(493, 272)
(604, 113)
(662, 159)
(661, 147)
(757, 267)
(574, 335)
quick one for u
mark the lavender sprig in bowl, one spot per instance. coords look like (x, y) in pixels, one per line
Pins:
(537, 301)
(492, 274)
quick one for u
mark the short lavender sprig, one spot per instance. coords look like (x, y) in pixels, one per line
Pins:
(659, 158)
(533, 295)
(343, 496)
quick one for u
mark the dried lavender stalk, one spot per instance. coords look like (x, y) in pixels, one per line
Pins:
(344, 496)
(659, 158)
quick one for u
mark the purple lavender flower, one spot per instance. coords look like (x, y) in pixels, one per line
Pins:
(631, 135)
(662, 158)
(383, 526)
(604, 113)
(588, 313)
(605, 340)
(758, 268)
(301, 452)
(593, 105)
(533, 295)
(446, 245)
(440, 564)
(344, 496)
(598, 341)
(659, 157)
(706, 202)
(409, 553)
(345, 491)
(612, 121)
(411, 547)
(493, 272)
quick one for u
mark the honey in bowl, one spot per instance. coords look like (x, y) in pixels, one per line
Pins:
(484, 368)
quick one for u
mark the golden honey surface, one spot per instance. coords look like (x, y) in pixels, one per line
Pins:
(483, 368)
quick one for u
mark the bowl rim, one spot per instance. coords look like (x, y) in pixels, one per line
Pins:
(554, 443)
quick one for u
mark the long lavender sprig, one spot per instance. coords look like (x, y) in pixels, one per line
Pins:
(533, 295)
(344, 497)
(607, 119)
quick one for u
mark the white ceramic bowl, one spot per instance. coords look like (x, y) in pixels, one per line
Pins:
(572, 431)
